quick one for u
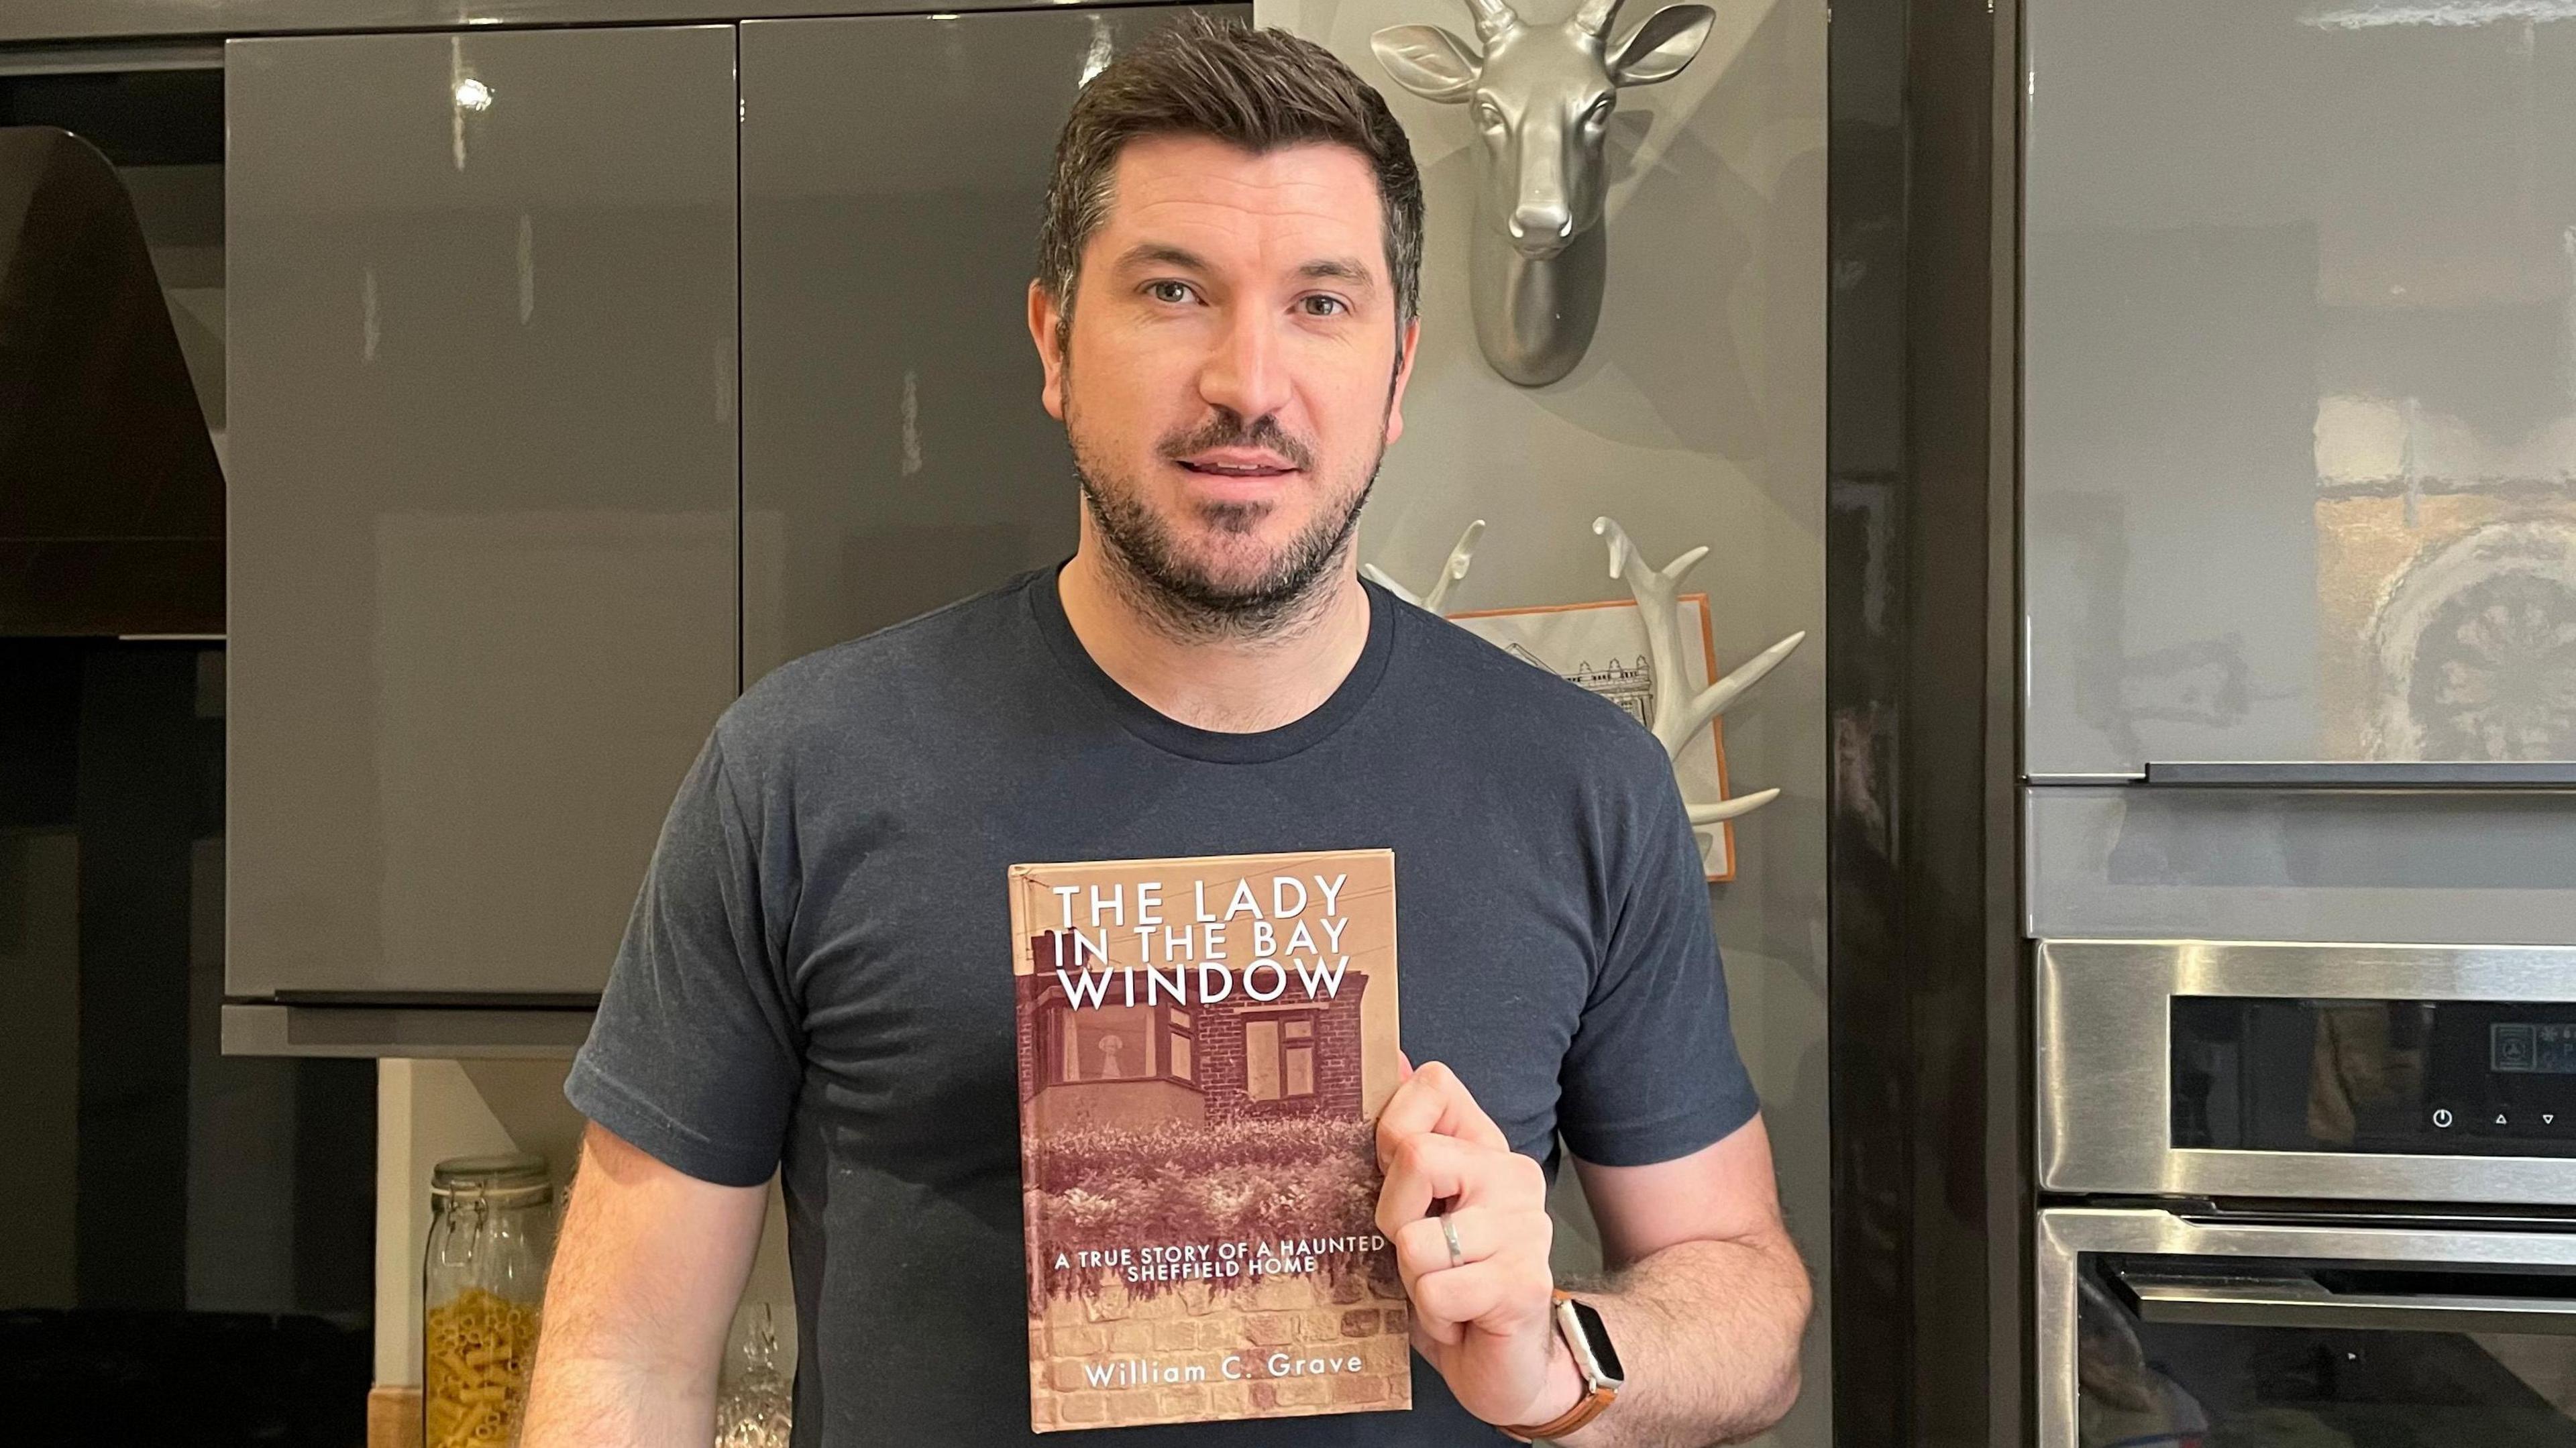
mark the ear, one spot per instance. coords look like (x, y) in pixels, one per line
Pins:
(1658, 49)
(1043, 318)
(1406, 350)
(1428, 61)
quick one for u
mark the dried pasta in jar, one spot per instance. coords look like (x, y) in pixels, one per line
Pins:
(480, 1349)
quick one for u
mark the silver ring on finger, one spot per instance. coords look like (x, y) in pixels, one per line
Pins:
(1449, 1230)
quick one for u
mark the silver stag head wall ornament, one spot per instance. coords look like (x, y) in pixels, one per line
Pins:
(1540, 97)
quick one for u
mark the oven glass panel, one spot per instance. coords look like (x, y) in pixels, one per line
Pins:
(2158, 1375)
(2449, 1078)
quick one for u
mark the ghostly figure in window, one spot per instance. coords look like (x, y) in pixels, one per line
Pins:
(1109, 1067)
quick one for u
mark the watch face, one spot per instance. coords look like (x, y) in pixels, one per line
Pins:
(1596, 1335)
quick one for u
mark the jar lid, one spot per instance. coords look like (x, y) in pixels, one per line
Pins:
(508, 1174)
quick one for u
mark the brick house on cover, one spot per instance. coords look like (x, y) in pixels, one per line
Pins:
(1143, 1065)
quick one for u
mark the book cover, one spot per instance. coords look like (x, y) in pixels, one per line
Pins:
(1204, 1046)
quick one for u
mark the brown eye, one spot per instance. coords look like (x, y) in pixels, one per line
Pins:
(1172, 292)
(1325, 306)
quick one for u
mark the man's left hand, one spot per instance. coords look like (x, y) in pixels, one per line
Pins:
(1483, 1313)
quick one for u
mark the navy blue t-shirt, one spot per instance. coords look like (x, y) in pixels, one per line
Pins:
(817, 975)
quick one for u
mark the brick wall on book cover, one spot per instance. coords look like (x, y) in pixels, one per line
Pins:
(1192, 1325)
(1337, 1059)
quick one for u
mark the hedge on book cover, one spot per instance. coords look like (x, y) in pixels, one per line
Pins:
(1204, 1045)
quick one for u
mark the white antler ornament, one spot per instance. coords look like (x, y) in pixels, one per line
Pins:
(1678, 720)
(1450, 572)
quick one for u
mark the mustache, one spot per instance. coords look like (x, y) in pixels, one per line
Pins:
(1228, 429)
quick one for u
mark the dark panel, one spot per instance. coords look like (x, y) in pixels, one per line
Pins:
(136, 117)
(111, 503)
(39, 732)
(335, 1206)
(1925, 1027)
(206, 1379)
(143, 751)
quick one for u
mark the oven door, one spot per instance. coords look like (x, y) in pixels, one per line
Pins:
(2416, 1073)
(2163, 1331)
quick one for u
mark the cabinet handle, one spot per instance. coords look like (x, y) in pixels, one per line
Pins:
(2369, 774)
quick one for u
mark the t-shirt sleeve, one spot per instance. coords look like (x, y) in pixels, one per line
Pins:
(695, 1054)
(1653, 1072)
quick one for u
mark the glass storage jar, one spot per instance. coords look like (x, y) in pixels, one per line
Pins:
(491, 1236)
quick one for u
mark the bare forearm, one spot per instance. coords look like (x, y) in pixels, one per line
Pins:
(1708, 1333)
(589, 1401)
(623, 1362)
(642, 1290)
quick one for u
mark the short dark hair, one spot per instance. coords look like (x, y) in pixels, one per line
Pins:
(1257, 89)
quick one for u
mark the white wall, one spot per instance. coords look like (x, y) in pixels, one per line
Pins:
(1697, 417)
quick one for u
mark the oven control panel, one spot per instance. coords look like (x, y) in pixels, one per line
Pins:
(2478, 1078)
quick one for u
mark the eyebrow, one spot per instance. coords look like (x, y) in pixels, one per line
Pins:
(1148, 253)
(1338, 269)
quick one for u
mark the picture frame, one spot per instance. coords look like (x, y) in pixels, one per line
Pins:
(1602, 647)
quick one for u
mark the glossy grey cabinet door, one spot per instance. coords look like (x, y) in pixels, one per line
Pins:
(2466, 868)
(482, 321)
(895, 455)
(2300, 396)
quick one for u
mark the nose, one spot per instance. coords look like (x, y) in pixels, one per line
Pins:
(1542, 216)
(1542, 219)
(1245, 373)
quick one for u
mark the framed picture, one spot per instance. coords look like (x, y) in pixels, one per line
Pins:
(1602, 646)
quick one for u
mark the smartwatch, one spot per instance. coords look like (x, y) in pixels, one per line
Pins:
(1594, 1359)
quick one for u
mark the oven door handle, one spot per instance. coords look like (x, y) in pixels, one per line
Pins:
(2295, 1299)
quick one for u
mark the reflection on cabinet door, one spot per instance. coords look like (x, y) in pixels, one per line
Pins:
(2299, 432)
(895, 455)
(482, 313)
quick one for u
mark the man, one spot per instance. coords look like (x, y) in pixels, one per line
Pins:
(816, 974)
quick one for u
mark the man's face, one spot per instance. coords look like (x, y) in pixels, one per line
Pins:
(1233, 370)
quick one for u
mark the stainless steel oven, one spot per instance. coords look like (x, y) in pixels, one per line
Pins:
(2162, 1328)
(2198, 1069)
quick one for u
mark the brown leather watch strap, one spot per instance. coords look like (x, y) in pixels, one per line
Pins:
(1566, 1422)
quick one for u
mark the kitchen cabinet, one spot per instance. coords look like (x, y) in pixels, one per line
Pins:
(482, 325)
(895, 455)
(2299, 426)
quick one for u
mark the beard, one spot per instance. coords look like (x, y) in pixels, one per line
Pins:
(1182, 593)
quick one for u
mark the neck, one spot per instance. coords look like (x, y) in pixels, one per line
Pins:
(1535, 315)
(1236, 683)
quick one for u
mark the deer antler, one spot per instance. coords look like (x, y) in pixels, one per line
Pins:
(1494, 17)
(1594, 16)
(1450, 572)
(1677, 720)
(1724, 810)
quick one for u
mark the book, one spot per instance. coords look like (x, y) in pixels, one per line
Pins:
(1204, 1047)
